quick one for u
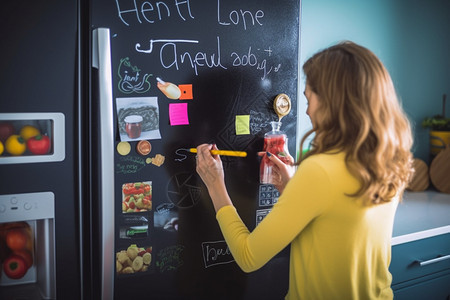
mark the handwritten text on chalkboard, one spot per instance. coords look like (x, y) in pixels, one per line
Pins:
(175, 53)
(169, 259)
(216, 253)
(129, 164)
(172, 57)
(148, 12)
(131, 79)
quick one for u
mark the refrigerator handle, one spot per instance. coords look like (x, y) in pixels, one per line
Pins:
(101, 59)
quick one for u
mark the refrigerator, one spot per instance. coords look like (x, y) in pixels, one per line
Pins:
(40, 193)
(124, 90)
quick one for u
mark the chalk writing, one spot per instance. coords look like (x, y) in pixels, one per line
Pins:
(250, 59)
(216, 253)
(129, 164)
(169, 259)
(181, 154)
(151, 13)
(171, 57)
(259, 121)
(243, 16)
(131, 79)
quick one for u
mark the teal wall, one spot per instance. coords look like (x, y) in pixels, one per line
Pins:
(411, 37)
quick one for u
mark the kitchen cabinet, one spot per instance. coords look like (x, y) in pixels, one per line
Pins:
(420, 263)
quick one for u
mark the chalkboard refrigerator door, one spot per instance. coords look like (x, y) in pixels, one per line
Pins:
(168, 76)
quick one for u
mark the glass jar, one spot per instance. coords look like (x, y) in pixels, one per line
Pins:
(133, 126)
(275, 142)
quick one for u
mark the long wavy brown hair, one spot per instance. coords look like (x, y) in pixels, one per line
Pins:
(359, 113)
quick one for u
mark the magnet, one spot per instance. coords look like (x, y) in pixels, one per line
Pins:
(143, 147)
(282, 105)
(158, 160)
(123, 148)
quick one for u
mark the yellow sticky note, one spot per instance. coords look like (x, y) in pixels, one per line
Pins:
(242, 124)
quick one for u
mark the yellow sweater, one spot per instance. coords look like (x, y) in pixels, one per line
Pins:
(340, 249)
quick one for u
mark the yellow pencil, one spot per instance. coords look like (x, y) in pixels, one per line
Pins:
(223, 152)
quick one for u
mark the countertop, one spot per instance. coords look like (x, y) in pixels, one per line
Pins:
(421, 215)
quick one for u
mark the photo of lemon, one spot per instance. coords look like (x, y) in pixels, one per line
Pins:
(28, 132)
(15, 145)
(2, 148)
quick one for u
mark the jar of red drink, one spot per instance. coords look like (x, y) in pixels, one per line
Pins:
(275, 142)
(133, 126)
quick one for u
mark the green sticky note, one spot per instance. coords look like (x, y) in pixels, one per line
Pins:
(242, 124)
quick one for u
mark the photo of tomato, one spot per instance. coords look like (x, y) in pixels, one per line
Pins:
(39, 144)
(137, 197)
(16, 239)
(15, 267)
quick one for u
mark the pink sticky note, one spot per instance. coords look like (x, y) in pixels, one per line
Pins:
(178, 114)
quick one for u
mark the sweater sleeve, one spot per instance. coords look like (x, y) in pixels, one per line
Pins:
(303, 199)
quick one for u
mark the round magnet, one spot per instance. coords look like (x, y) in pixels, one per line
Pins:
(282, 105)
(143, 147)
(123, 148)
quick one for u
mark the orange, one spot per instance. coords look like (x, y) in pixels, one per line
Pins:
(16, 239)
(26, 255)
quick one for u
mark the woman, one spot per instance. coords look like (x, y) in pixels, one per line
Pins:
(337, 211)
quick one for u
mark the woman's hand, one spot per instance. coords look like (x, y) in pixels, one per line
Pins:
(210, 169)
(281, 172)
(209, 166)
